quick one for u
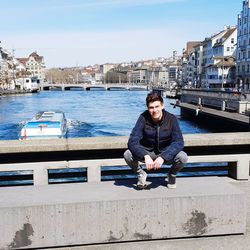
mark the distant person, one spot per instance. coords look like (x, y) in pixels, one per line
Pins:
(155, 139)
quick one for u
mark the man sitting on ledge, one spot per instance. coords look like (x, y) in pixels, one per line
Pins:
(156, 139)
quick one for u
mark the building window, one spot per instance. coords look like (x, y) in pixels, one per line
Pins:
(228, 48)
(232, 40)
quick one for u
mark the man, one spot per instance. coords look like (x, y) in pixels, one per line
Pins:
(156, 139)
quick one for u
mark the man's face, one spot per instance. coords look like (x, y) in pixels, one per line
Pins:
(155, 110)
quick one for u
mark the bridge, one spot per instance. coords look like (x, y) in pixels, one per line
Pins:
(88, 86)
(114, 214)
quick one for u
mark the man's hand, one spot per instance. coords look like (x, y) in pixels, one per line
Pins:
(149, 162)
(158, 162)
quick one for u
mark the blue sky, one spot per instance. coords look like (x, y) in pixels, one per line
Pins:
(85, 32)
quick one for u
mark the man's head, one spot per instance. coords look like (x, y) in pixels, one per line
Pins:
(155, 106)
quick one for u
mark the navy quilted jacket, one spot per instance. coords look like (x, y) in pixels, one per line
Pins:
(164, 138)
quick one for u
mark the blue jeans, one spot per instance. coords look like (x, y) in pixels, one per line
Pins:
(177, 162)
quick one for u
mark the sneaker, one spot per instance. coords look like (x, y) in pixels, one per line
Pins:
(171, 181)
(142, 176)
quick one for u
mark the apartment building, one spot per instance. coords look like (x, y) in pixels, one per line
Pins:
(221, 65)
(207, 55)
(243, 48)
(198, 50)
(189, 64)
(106, 67)
(211, 63)
(35, 65)
(7, 70)
(138, 75)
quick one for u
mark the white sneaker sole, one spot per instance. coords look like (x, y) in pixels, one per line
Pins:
(172, 186)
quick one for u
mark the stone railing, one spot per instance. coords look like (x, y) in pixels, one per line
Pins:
(40, 156)
(231, 100)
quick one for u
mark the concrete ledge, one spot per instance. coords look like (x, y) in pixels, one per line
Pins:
(75, 214)
(115, 142)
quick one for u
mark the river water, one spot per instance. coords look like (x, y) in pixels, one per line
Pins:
(89, 113)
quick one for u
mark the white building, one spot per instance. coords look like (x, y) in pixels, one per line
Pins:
(35, 65)
(27, 83)
(189, 64)
(207, 55)
(220, 67)
(98, 77)
(210, 71)
(243, 48)
(106, 67)
(164, 75)
(7, 70)
(138, 75)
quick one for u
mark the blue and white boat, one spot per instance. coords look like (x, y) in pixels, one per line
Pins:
(45, 124)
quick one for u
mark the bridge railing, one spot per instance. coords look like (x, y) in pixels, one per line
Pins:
(89, 86)
(92, 154)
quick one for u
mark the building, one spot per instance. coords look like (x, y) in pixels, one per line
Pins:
(207, 56)
(210, 63)
(189, 64)
(198, 50)
(7, 70)
(243, 48)
(35, 65)
(221, 65)
(106, 67)
(138, 75)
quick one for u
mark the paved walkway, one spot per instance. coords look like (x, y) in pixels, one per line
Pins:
(232, 242)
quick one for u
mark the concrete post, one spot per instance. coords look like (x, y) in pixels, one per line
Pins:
(223, 106)
(40, 176)
(199, 101)
(94, 174)
(243, 169)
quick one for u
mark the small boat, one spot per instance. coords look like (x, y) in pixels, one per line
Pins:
(45, 124)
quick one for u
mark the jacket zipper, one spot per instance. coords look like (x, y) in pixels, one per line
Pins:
(158, 137)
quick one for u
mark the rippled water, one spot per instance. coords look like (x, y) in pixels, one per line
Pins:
(89, 113)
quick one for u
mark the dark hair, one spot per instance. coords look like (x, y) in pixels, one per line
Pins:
(153, 96)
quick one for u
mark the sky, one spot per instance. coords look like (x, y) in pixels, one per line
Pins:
(72, 33)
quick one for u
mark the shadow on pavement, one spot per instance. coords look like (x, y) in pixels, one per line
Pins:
(152, 183)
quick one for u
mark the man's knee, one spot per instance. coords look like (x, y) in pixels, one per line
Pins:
(181, 157)
(127, 155)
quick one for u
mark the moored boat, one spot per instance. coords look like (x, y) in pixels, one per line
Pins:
(45, 124)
